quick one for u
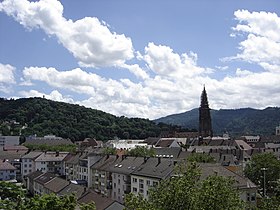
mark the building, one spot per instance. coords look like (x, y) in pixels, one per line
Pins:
(51, 162)
(149, 174)
(205, 124)
(7, 171)
(28, 163)
(8, 141)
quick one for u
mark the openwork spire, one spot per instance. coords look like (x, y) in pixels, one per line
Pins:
(205, 124)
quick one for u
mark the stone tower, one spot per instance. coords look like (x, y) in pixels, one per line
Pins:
(205, 124)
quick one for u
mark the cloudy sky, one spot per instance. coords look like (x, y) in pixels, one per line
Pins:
(143, 58)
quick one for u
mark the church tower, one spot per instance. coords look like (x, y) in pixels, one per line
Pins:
(205, 124)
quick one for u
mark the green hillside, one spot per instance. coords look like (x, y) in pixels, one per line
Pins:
(44, 117)
(235, 121)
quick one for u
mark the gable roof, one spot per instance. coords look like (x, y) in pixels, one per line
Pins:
(75, 189)
(115, 206)
(127, 165)
(100, 201)
(172, 152)
(32, 155)
(52, 156)
(6, 166)
(56, 184)
(45, 178)
(159, 168)
(34, 175)
(103, 163)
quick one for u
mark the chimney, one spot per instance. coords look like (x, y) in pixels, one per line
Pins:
(159, 160)
(56, 153)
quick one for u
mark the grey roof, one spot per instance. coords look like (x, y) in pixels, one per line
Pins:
(11, 155)
(56, 184)
(6, 166)
(127, 165)
(101, 202)
(168, 152)
(212, 169)
(52, 156)
(155, 167)
(31, 155)
(115, 206)
(75, 189)
(44, 178)
(48, 141)
(105, 162)
(34, 175)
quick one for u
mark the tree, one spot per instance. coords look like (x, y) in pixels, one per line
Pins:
(141, 151)
(185, 190)
(201, 158)
(217, 192)
(264, 164)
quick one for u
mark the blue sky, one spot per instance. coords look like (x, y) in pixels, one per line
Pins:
(145, 58)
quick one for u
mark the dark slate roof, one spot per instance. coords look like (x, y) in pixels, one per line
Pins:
(48, 141)
(127, 165)
(168, 152)
(73, 158)
(11, 155)
(34, 175)
(151, 140)
(105, 162)
(45, 178)
(6, 166)
(165, 142)
(101, 202)
(115, 206)
(32, 155)
(155, 167)
(75, 189)
(15, 147)
(212, 169)
(56, 184)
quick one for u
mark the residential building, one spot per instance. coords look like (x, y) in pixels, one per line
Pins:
(8, 141)
(7, 171)
(101, 176)
(149, 174)
(51, 162)
(40, 182)
(121, 179)
(28, 162)
(29, 184)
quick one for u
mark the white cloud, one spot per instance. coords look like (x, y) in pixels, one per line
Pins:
(164, 62)
(54, 95)
(88, 39)
(7, 74)
(262, 44)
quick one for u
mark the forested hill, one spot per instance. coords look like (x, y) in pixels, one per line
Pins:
(235, 121)
(44, 117)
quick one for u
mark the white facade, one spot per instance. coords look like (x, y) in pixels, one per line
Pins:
(8, 140)
(27, 166)
(127, 144)
(7, 171)
(141, 185)
(120, 186)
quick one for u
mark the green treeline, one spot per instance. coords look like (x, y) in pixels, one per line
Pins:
(43, 117)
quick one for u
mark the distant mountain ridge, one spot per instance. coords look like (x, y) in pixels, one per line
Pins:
(244, 121)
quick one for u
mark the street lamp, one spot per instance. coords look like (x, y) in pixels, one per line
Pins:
(264, 190)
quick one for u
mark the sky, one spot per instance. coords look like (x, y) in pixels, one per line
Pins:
(146, 59)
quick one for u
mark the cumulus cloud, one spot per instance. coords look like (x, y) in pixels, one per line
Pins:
(88, 39)
(7, 78)
(262, 44)
(164, 62)
(54, 95)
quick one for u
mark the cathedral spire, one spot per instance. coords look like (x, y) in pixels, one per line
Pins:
(205, 124)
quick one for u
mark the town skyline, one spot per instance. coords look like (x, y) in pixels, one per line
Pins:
(147, 59)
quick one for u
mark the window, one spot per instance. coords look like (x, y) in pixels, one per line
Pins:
(134, 189)
(141, 180)
(155, 183)
(141, 191)
(134, 180)
(141, 185)
(148, 182)
(119, 190)
(30, 165)
(25, 165)
(115, 185)
(119, 181)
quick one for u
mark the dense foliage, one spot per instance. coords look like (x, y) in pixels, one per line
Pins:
(46, 147)
(201, 158)
(235, 121)
(141, 151)
(185, 191)
(43, 117)
(14, 197)
(264, 164)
